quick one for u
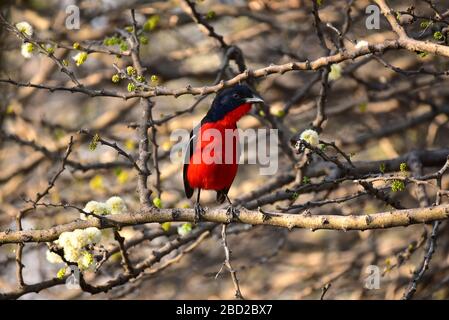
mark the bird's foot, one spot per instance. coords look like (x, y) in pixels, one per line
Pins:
(266, 215)
(199, 213)
(232, 214)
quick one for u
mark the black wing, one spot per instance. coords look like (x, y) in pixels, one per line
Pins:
(187, 155)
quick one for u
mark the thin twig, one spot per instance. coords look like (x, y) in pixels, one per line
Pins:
(227, 263)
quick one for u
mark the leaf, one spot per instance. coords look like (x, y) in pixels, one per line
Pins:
(166, 226)
(157, 202)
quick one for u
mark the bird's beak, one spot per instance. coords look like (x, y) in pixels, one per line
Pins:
(254, 99)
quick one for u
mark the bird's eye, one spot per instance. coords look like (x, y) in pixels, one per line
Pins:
(236, 96)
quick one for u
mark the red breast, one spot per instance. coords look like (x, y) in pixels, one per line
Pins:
(201, 172)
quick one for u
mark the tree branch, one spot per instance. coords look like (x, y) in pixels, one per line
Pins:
(397, 218)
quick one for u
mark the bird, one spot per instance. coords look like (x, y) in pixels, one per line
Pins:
(211, 161)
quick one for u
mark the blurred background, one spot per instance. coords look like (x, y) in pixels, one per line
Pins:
(374, 112)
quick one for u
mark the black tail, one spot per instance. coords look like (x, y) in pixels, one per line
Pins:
(222, 195)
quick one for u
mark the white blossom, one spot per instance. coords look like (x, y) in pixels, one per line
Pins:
(71, 254)
(25, 28)
(64, 239)
(335, 72)
(361, 44)
(85, 260)
(93, 235)
(53, 257)
(75, 245)
(184, 229)
(79, 238)
(98, 208)
(116, 205)
(310, 136)
(27, 50)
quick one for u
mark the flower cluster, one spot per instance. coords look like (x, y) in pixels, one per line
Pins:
(397, 185)
(112, 41)
(78, 244)
(113, 205)
(184, 229)
(27, 49)
(76, 247)
(310, 136)
(53, 257)
(335, 72)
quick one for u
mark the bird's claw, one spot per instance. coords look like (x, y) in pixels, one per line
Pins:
(265, 215)
(232, 213)
(199, 212)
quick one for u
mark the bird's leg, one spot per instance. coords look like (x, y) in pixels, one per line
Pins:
(232, 212)
(199, 211)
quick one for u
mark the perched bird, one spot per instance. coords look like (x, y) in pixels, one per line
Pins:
(211, 159)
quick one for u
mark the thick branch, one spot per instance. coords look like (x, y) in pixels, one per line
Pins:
(397, 218)
(406, 42)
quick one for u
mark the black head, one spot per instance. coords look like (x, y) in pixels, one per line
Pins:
(229, 99)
